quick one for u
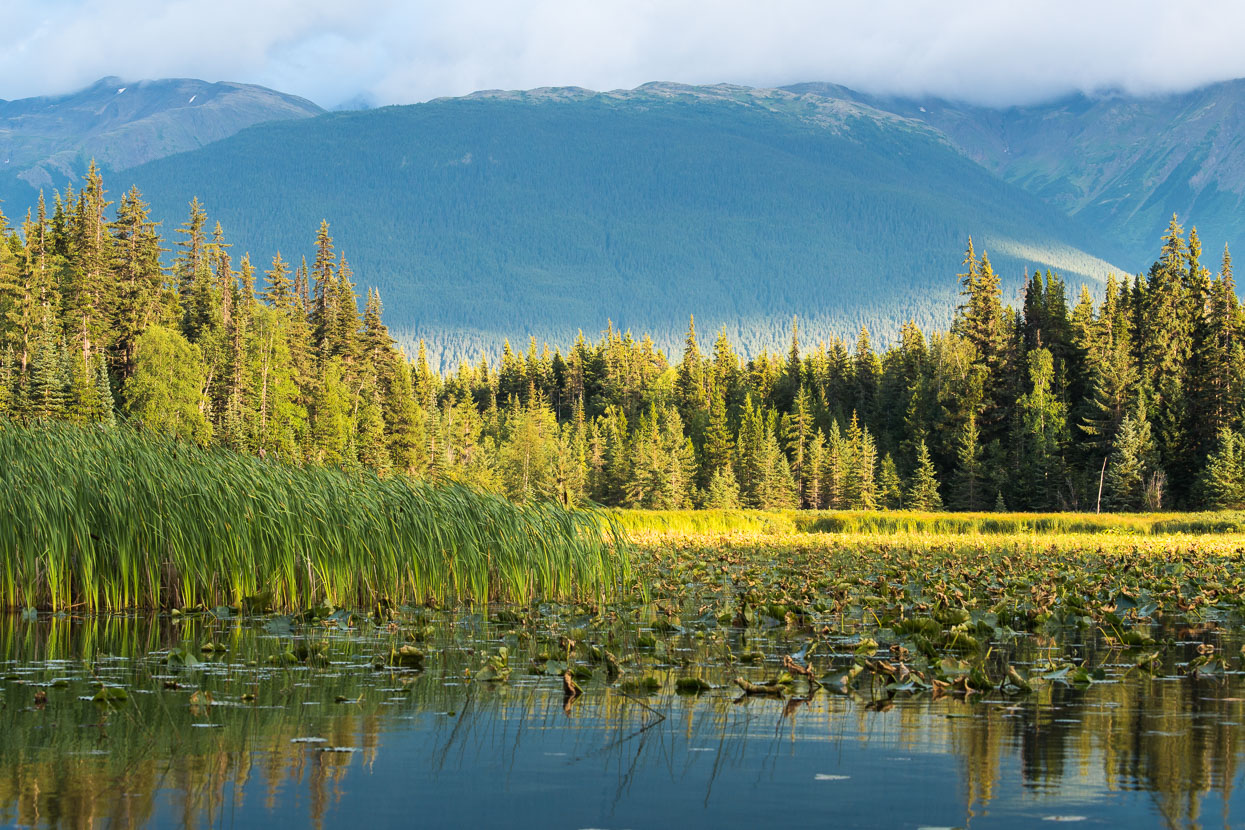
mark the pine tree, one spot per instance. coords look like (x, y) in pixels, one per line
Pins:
(280, 292)
(867, 371)
(406, 426)
(890, 488)
(835, 470)
(690, 384)
(923, 489)
(859, 458)
(140, 297)
(1223, 482)
(370, 430)
(571, 472)
(1043, 421)
(527, 452)
(723, 490)
(816, 464)
(330, 415)
(775, 487)
(750, 448)
(797, 433)
(1133, 464)
(47, 389)
(324, 324)
(969, 485)
(719, 446)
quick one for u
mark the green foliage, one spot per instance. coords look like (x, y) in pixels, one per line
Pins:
(1132, 473)
(923, 489)
(1224, 479)
(114, 519)
(165, 393)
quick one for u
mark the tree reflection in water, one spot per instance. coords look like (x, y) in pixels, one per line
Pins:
(159, 757)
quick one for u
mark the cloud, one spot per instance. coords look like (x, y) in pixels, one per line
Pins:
(400, 52)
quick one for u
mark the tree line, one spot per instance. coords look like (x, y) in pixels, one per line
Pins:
(1133, 402)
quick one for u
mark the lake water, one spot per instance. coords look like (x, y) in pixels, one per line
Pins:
(293, 726)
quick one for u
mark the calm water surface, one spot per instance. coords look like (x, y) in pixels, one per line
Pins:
(292, 726)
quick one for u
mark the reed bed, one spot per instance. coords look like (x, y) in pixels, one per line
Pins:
(101, 519)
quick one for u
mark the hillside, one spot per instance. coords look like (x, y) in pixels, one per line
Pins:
(509, 214)
(49, 141)
(1120, 164)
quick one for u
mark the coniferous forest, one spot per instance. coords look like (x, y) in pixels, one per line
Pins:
(1130, 402)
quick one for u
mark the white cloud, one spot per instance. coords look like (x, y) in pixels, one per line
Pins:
(400, 52)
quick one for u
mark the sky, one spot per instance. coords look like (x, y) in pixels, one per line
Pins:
(334, 52)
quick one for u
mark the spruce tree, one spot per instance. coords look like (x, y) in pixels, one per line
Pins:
(923, 489)
(723, 490)
(890, 487)
(969, 475)
(1223, 482)
(1043, 419)
(1133, 464)
(719, 446)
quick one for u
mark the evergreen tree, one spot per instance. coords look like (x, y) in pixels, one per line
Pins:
(527, 452)
(890, 488)
(815, 467)
(1223, 482)
(1133, 464)
(923, 489)
(405, 422)
(797, 433)
(47, 389)
(969, 484)
(1043, 422)
(723, 490)
(719, 445)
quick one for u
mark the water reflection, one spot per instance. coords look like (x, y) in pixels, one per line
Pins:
(248, 738)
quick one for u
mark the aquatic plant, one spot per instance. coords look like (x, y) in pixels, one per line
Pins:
(113, 518)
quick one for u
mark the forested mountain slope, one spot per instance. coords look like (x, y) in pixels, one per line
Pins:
(1121, 164)
(538, 213)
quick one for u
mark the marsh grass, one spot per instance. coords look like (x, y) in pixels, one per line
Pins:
(892, 522)
(110, 519)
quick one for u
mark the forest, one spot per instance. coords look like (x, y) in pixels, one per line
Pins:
(1131, 402)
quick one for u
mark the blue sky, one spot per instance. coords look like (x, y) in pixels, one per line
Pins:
(388, 51)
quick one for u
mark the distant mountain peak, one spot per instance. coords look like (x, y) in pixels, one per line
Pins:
(123, 123)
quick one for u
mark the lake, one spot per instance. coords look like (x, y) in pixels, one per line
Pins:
(287, 721)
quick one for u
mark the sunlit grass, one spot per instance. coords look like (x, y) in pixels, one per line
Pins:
(891, 522)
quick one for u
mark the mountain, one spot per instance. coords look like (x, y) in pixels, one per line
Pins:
(1120, 164)
(46, 142)
(540, 212)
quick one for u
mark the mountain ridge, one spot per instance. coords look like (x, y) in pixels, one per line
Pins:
(121, 124)
(1123, 163)
(541, 212)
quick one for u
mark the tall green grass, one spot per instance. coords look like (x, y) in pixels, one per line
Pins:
(109, 519)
